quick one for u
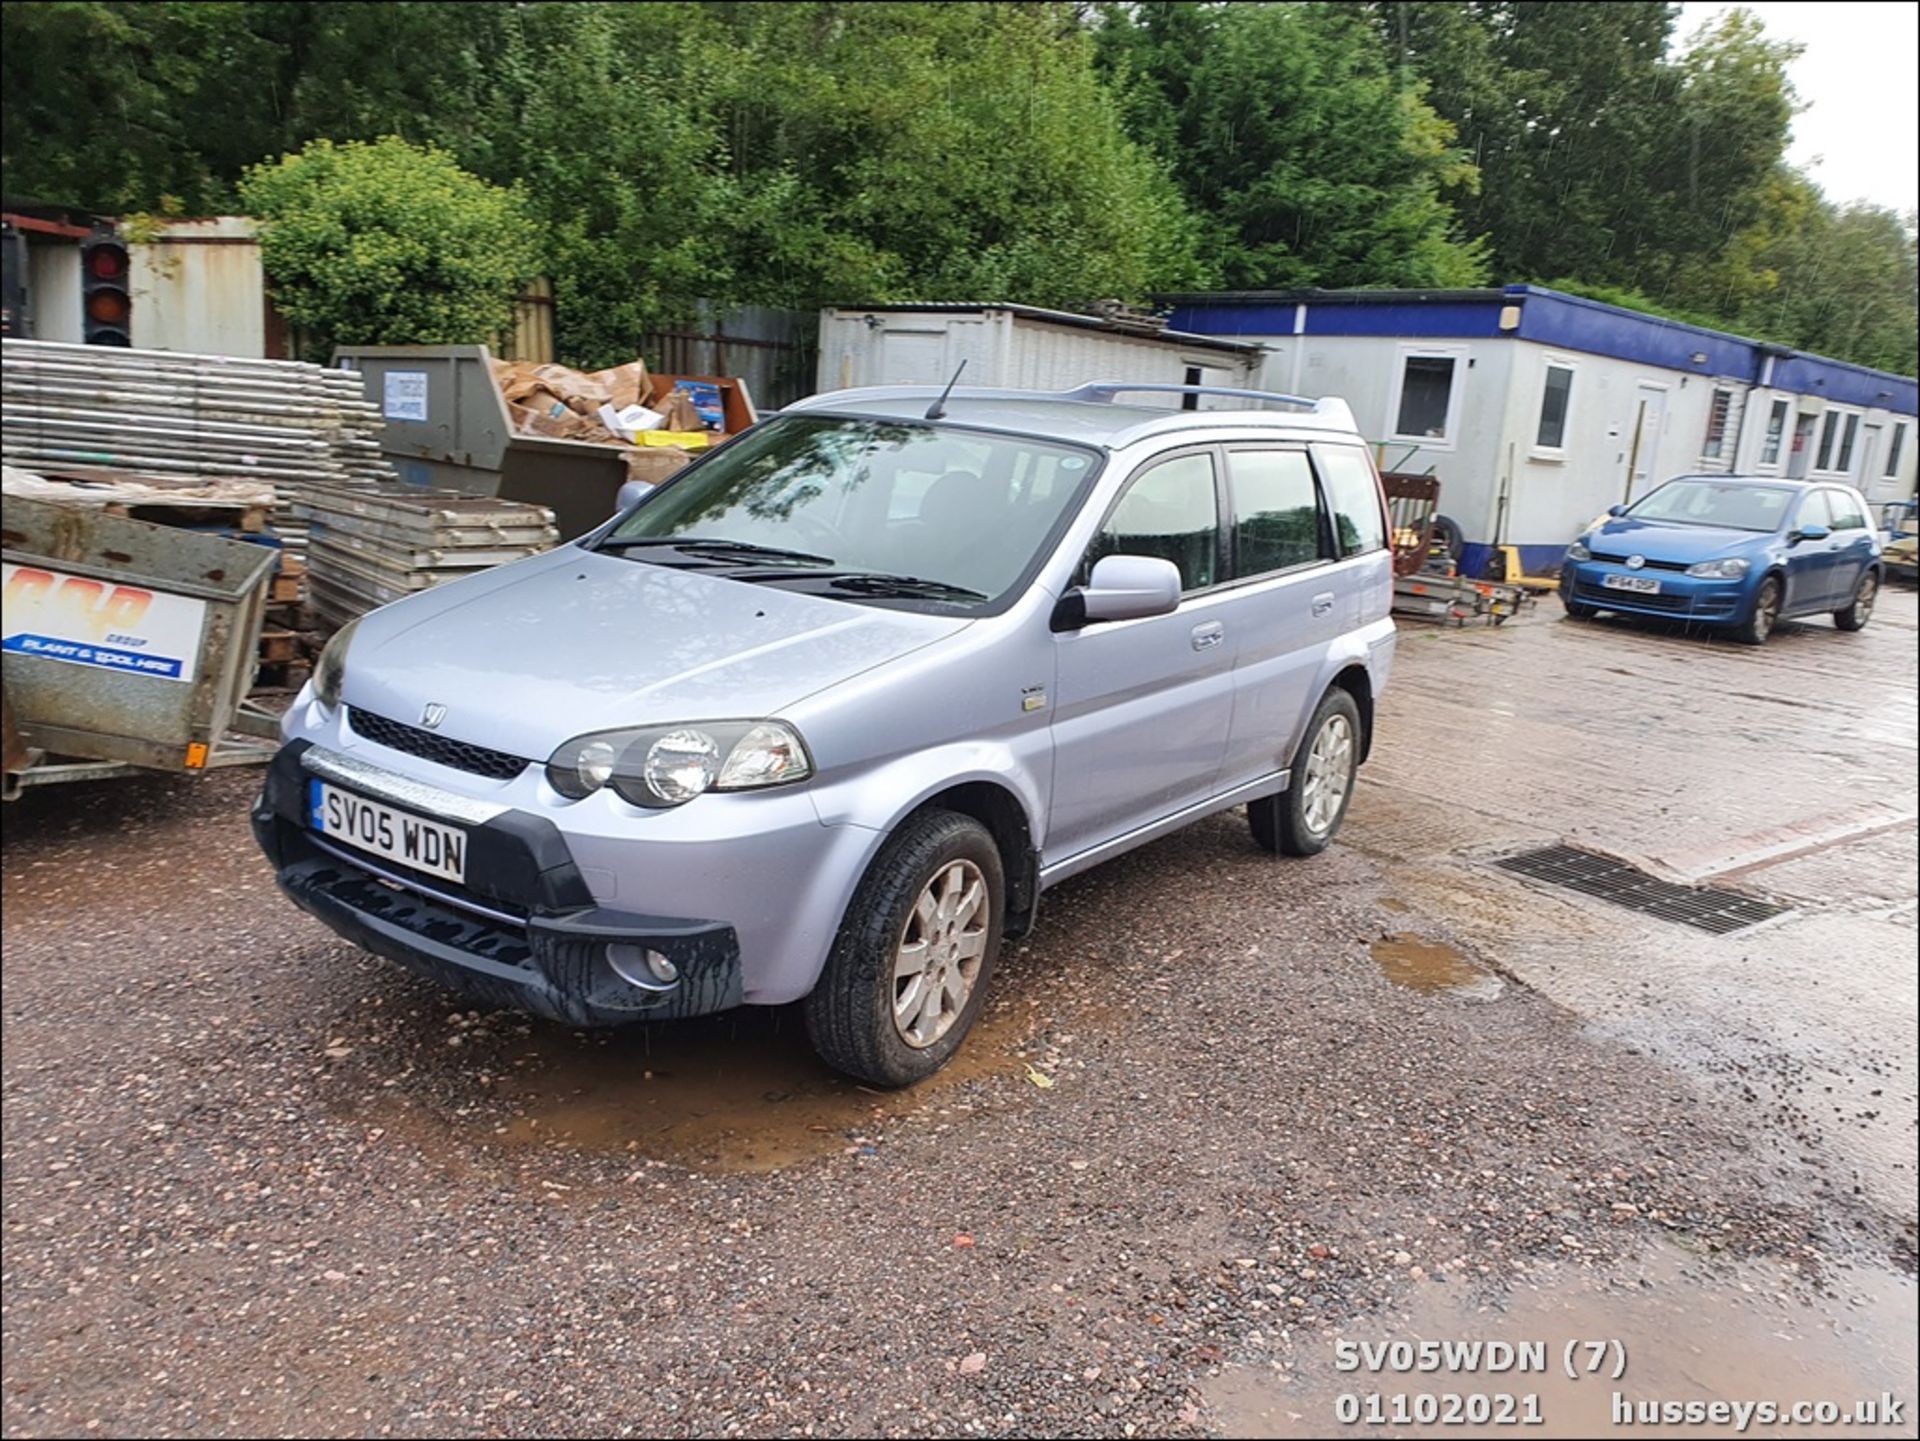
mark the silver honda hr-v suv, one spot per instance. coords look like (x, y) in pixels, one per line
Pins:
(824, 715)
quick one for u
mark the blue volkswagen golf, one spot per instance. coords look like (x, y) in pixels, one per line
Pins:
(1740, 553)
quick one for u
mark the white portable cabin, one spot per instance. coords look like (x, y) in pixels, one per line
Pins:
(1020, 347)
(1537, 410)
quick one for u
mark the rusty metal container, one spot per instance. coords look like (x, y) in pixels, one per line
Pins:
(447, 427)
(125, 641)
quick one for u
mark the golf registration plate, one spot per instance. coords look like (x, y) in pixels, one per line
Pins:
(1640, 584)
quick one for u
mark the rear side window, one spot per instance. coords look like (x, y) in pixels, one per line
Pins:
(1276, 510)
(1170, 511)
(1353, 495)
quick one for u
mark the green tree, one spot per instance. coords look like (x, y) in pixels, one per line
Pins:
(1835, 280)
(1561, 107)
(113, 106)
(1308, 162)
(906, 151)
(1710, 166)
(386, 243)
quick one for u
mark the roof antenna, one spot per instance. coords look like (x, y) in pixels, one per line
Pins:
(938, 410)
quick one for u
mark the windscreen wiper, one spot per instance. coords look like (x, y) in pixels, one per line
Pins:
(879, 583)
(714, 546)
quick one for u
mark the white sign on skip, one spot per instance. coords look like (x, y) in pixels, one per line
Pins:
(404, 395)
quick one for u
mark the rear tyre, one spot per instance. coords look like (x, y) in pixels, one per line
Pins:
(1860, 611)
(1765, 614)
(909, 970)
(1304, 818)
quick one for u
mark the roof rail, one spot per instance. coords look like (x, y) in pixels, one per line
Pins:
(1105, 390)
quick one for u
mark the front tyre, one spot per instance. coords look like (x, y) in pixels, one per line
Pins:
(908, 971)
(1304, 818)
(1860, 610)
(1765, 614)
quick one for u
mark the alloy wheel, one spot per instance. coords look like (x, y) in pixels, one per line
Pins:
(941, 949)
(1329, 774)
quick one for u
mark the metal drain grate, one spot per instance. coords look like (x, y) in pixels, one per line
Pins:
(1701, 907)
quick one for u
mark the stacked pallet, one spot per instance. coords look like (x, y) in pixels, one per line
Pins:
(89, 410)
(288, 643)
(367, 547)
(240, 509)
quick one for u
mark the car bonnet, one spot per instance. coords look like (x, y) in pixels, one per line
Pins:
(528, 655)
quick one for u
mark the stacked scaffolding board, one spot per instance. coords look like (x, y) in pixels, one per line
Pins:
(88, 411)
(368, 547)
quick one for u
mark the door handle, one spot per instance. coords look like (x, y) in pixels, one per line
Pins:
(1323, 602)
(1206, 637)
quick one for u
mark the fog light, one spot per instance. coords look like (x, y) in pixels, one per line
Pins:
(638, 966)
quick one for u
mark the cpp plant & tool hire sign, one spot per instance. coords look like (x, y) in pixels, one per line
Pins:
(100, 623)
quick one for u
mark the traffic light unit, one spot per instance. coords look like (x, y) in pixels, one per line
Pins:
(106, 304)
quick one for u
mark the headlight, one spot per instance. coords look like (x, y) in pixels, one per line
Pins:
(332, 667)
(1577, 551)
(680, 765)
(1732, 568)
(670, 765)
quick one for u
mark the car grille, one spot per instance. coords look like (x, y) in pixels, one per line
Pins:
(443, 750)
(1651, 564)
(1631, 600)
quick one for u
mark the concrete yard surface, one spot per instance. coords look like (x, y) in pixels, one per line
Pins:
(1223, 1114)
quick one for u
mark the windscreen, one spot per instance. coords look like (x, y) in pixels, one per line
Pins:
(965, 508)
(1729, 504)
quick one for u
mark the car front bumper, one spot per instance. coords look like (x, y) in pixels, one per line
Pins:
(523, 931)
(743, 894)
(1681, 596)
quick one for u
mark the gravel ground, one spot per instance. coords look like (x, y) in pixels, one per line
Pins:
(257, 1183)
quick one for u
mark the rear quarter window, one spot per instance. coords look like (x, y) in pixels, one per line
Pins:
(1353, 496)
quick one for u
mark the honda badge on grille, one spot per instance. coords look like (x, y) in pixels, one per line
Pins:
(433, 715)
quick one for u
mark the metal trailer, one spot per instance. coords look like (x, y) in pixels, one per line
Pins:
(1424, 582)
(128, 645)
(447, 428)
(1456, 598)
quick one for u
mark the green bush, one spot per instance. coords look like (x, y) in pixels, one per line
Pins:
(387, 243)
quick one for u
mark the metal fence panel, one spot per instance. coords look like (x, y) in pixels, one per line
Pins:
(774, 351)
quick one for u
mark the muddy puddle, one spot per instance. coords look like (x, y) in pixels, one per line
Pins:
(1693, 1331)
(741, 1091)
(1422, 964)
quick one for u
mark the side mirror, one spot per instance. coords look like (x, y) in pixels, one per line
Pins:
(1122, 587)
(632, 492)
(1808, 532)
(1616, 510)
